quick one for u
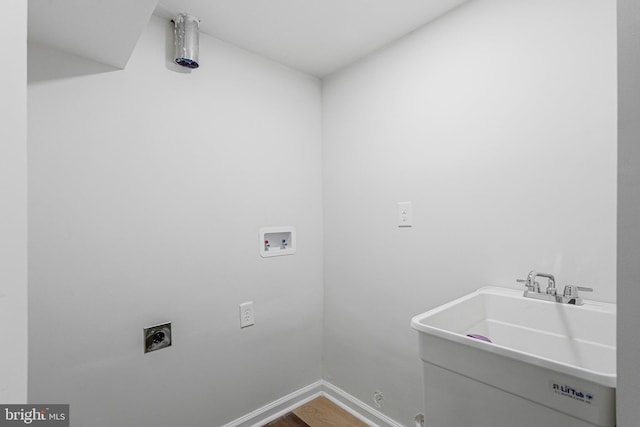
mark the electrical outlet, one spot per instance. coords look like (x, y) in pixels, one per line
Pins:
(246, 314)
(405, 214)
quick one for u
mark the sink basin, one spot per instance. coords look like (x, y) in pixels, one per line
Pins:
(556, 357)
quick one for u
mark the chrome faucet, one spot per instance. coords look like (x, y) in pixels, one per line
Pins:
(551, 286)
(533, 287)
(569, 295)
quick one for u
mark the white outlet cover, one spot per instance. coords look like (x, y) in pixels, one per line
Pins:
(405, 214)
(247, 317)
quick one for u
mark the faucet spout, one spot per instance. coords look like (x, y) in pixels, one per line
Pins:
(551, 287)
(533, 287)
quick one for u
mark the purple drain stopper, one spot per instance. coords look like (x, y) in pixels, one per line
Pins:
(479, 337)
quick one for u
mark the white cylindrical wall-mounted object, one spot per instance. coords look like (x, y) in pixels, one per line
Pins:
(187, 39)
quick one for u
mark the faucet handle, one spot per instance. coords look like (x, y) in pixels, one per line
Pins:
(535, 287)
(571, 291)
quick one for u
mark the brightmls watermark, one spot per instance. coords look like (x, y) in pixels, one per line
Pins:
(35, 415)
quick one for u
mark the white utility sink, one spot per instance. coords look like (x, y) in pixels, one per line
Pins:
(546, 363)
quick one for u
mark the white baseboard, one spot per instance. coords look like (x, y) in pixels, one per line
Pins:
(282, 406)
(357, 408)
(278, 408)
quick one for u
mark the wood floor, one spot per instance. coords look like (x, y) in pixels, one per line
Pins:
(320, 412)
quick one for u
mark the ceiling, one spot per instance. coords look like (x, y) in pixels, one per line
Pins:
(314, 36)
(86, 27)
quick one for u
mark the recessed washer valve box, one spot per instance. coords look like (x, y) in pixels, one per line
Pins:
(276, 241)
(157, 337)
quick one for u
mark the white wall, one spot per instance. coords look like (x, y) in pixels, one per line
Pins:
(628, 213)
(13, 205)
(147, 190)
(498, 121)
